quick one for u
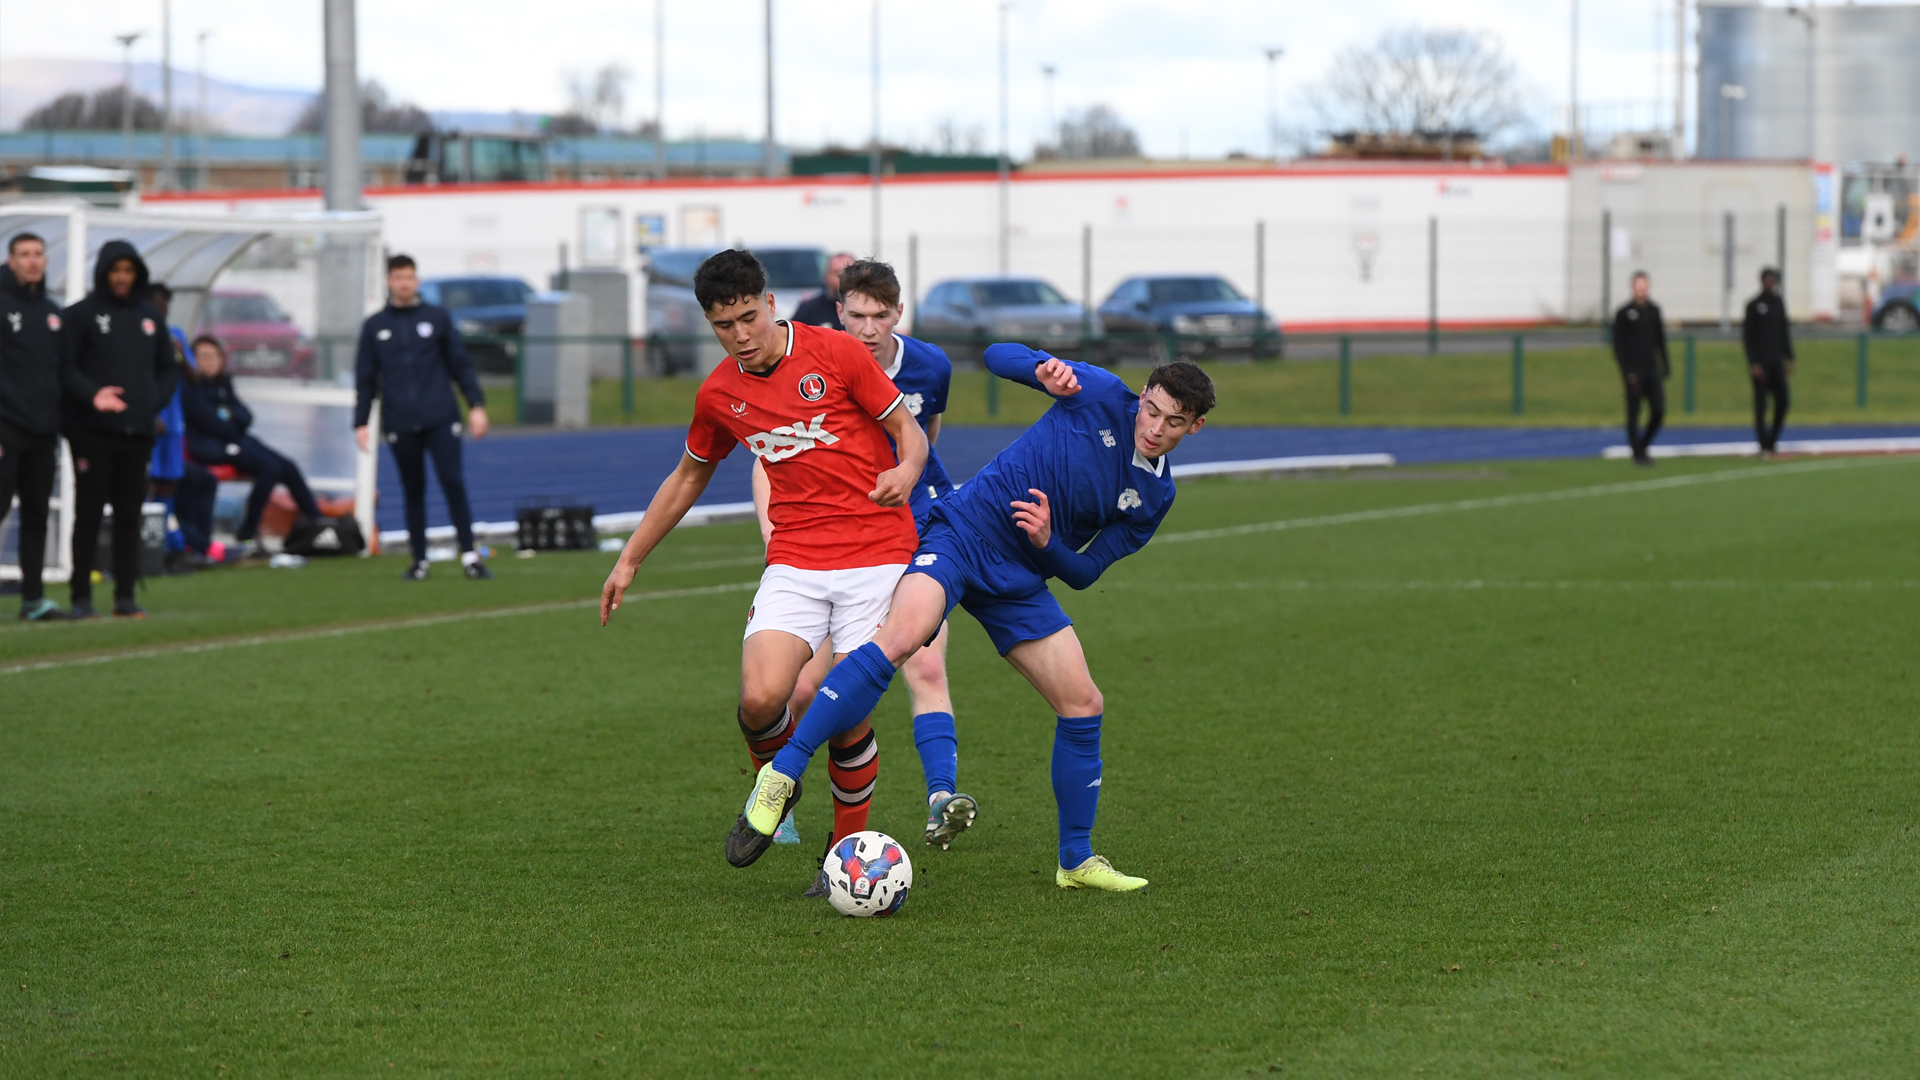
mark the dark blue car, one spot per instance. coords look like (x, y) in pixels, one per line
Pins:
(1190, 315)
(483, 306)
(1896, 310)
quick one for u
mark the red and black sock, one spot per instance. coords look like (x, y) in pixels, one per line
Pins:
(766, 742)
(851, 771)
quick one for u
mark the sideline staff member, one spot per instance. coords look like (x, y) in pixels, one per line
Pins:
(29, 411)
(409, 353)
(1769, 345)
(823, 308)
(1640, 348)
(118, 369)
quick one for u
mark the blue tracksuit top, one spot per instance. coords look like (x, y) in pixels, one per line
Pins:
(408, 358)
(922, 374)
(1106, 498)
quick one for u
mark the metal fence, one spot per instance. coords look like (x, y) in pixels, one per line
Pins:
(642, 361)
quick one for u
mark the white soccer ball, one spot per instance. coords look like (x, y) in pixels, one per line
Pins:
(868, 873)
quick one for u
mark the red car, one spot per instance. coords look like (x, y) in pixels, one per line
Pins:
(259, 336)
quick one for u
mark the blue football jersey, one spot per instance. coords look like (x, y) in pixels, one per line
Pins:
(1105, 496)
(922, 374)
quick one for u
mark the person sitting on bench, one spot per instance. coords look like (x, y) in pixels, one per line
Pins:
(217, 424)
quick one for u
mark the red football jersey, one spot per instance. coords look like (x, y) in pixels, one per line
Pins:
(812, 422)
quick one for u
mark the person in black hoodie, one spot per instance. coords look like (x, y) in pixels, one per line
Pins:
(1640, 348)
(29, 410)
(409, 355)
(117, 368)
(218, 423)
(1768, 340)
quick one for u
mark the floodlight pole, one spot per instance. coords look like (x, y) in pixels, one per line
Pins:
(1576, 150)
(1053, 124)
(873, 149)
(659, 89)
(770, 162)
(164, 182)
(1805, 15)
(1273, 102)
(126, 100)
(200, 116)
(1005, 164)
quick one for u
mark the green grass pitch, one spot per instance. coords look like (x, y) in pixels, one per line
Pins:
(1513, 770)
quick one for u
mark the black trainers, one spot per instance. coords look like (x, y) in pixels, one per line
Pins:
(128, 608)
(819, 890)
(745, 844)
(41, 610)
(82, 609)
(417, 572)
(477, 571)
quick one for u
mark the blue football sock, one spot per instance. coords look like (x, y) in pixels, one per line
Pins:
(850, 692)
(939, 751)
(1076, 785)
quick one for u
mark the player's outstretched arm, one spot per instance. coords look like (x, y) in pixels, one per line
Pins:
(1078, 569)
(676, 496)
(895, 486)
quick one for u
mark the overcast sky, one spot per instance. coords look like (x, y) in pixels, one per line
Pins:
(1188, 75)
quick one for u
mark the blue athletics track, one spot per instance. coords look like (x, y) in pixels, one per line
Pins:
(616, 470)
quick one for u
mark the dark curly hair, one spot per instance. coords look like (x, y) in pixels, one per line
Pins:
(1187, 384)
(729, 277)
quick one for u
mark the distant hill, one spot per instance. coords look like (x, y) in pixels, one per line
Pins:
(26, 83)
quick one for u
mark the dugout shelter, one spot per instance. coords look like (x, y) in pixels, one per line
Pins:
(186, 248)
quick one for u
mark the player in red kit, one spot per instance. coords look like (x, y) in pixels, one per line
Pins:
(818, 413)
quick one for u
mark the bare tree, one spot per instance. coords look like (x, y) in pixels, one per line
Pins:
(1422, 82)
(600, 97)
(100, 112)
(1094, 132)
(950, 137)
(378, 113)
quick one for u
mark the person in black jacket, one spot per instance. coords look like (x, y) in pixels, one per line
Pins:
(1769, 346)
(218, 425)
(118, 368)
(409, 354)
(823, 307)
(1640, 348)
(29, 411)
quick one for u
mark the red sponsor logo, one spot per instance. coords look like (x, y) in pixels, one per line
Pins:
(146, 327)
(53, 322)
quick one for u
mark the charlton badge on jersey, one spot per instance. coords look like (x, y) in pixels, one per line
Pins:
(53, 322)
(146, 327)
(813, 387)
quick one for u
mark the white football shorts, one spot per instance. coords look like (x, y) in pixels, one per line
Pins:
(811, 604)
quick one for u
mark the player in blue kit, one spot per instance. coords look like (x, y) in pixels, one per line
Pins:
(1085, 486)
(870, 310)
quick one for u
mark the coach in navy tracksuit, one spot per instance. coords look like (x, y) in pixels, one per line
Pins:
(29, 411)
(409, 356)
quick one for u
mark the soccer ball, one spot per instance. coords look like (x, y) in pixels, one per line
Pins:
(868, 873)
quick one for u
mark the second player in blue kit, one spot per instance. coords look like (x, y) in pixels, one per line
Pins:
(1085, 486)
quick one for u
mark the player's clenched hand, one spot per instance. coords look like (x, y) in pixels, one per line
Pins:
(1057, 378)
(1034, 518)
(893, 487)
(615, 588)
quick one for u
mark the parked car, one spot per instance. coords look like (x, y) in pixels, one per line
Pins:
(1195, 316)
(260, 337)
(1897, 310)
(484, 306)
(965, 315)
(678, 338)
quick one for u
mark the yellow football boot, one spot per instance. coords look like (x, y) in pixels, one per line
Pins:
(1097, 873)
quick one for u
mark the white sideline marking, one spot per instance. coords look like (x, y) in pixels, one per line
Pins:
(1518, 586)
(1283, 464)
(710, 514)
(1896, 445)
(1497, 501)
(188, 648)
